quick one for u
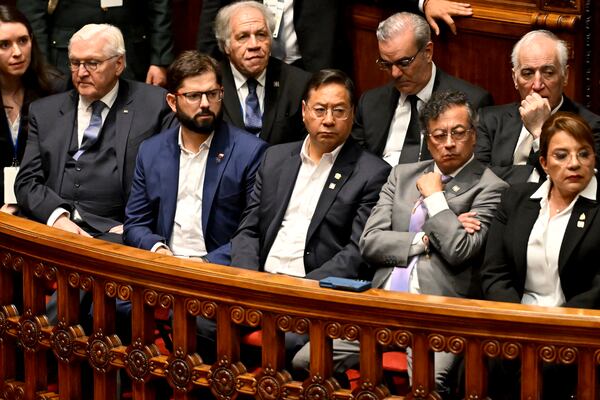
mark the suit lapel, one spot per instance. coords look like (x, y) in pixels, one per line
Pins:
(218, 157)
(67, 117)
(388, 108)
(584, 211)
(169, 181)
(528, 212)
(468, 177)
(271, 99)
(231, 101)
(514, 124)
(124, 117)
(339, 174)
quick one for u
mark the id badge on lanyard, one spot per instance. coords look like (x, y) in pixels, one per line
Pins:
(10, 174)
(276, 7)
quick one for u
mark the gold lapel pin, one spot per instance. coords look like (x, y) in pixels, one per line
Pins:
(337, 176)
(332, 185)
(455, 188)
(125, 111)
(582, 217)
(581, 222)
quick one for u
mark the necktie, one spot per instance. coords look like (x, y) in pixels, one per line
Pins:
(412, 141)
(401, 276)
(252, 115)
(523, 150)
(91, 133)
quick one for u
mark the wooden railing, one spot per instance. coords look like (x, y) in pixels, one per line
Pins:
(234, 297)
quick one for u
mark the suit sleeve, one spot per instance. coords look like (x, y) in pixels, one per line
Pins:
(498, 274)
(161, 36)
(448, 237)
(589, 298)
(380, 244)
(141, 212)
(36, 13)
(485, 139)
(36, 200)
(222, 254)
(245, 245)
(348, 261)
(206, 42)
(358, 129)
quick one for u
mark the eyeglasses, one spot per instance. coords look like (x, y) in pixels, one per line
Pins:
(338, 113)
(458, 135)
(213, 96)
(401, 63)
(90, 65)
(584, 156)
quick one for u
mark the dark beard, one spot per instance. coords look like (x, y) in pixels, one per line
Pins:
(204, 127)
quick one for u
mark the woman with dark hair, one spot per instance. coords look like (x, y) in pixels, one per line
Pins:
(544, 245)
(24, 77)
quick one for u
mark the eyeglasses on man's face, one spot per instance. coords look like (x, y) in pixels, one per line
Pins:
(401, 63)
(458, 134)
(337, 112)
(89, 65)
(213, 96)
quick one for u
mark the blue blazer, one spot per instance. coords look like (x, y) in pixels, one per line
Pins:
(233, 159)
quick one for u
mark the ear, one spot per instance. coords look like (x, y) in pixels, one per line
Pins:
(514, 77)
(303, 110)
(429, 51)
(566, 77)
(120, 65)
(543, 163)
(172, 101)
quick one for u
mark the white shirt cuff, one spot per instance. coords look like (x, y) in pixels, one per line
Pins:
(417, 246)
(57, 213)
(536, 144)
(435, 203)
(421, 4)
(157, 246)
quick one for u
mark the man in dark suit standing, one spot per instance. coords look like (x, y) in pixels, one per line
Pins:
(509, 134)
(387, 117)
(146, 26)
(192, 182)
(262, 94)
(80, 155)
(311, 198)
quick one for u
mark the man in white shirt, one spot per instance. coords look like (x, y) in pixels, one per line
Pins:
(312, 198)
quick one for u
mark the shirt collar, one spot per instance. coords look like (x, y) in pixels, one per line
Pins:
(425, 94)
(108, 99)
(240, 79)
(330, 157)
(453, 174)
(555, 109)
(589, 192)
(204, 145)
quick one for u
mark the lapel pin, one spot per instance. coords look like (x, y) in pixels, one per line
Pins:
(275, 83)
(220, 157)
(337, 176)
(580, 224)
(332, 186)
(582, 217)
(455, 188)
(125, 111)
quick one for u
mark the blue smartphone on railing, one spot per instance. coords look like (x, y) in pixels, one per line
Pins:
(352, 285)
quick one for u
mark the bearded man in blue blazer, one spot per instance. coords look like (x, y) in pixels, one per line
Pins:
(191, 183)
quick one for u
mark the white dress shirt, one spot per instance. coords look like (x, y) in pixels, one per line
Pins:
(242, 89)
(84, 115)
(401, 120)
(287, 253)
(542, 282)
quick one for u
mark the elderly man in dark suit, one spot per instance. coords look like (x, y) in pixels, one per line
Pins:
(80, 156)
(312, 198)
(387, 117)
(509, 134)
(262, 94)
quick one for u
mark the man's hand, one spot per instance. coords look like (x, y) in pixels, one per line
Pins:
(117, 229)
(445, 10)
(430, 183)
(534, 110)
(9, 209)
(64, 223)
(469, 222)
(164, 250)
(156, 76)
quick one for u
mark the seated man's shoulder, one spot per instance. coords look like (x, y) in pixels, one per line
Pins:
(375, 94)
(592, 118)
(146, 91)
(492, 179)
(241, 136)
(52, 101)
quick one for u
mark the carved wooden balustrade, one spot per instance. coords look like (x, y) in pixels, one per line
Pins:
(235, 297)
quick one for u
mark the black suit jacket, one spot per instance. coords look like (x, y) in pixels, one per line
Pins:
(376, 109)
(146, 27)
(498, 134)
(505, 266)
(141, 111)
(319, 25)
(282, 116)
(331, 247)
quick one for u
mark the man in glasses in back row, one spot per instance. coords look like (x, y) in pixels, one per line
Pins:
(387, 117)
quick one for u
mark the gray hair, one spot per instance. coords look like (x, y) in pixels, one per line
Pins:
(399, 23)
(440, 102)
(115, 45)
(562, 52)
(223, 20)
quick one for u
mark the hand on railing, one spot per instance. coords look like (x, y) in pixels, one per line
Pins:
(64, 223)
(9, 209)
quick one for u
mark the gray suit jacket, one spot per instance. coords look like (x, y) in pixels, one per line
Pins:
(452, 268)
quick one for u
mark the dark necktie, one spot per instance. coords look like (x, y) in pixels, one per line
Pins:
(252, 116)
(91, 133)
(412, 141)
(400, 275)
